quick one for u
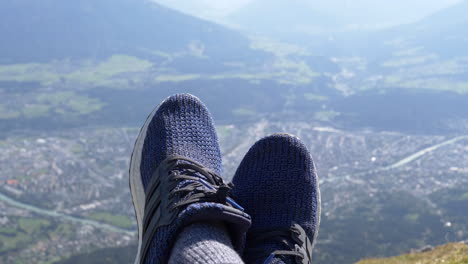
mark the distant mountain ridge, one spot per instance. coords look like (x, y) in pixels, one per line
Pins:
(451, 16)
(56, 29)
(277, 17)
(443, 32)
(327, 16)
(451, 19)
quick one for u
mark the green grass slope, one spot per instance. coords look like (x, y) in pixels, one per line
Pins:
(454, 253)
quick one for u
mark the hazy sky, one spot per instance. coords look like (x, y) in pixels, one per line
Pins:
(384, 11)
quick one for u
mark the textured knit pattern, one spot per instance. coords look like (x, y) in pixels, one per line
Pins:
(276, 183)
(183, 126)
(204, 243)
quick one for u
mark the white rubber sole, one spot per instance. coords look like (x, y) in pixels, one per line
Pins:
(136, 185)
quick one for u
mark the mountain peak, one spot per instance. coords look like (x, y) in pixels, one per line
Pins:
(34, 31)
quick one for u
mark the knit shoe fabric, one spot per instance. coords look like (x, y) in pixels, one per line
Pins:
(174, 178)
(277, 185)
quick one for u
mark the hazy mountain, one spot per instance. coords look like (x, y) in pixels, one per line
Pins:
(353, 29)
(212, 10)
(279, 18)
(443, 32)
(358, 14)
(380, 12)
(448, 17)
(91, 49)
(436, 38)
(55, 29)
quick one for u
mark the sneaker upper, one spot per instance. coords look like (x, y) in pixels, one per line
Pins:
(180, 168)
(181, 126)
(277, 185)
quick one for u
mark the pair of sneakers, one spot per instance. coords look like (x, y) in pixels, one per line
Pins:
(271, 209)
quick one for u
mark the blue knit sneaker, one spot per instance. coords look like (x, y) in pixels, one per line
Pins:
(277, 184)
(174, 178)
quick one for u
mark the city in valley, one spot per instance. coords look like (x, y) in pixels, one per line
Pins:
(66, 193)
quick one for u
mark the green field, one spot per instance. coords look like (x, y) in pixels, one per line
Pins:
(85, 72)
(122, 221)
(25, 233)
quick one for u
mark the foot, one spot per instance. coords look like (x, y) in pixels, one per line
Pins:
(277, 184)
(174, 178)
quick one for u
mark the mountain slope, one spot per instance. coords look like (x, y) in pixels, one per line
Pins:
(444, 32)
(428, 55)
(455, 253)
(278, 18)
(448, 17)
(54, 29)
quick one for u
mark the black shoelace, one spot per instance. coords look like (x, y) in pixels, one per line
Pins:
(216, 190)
(291, 238)
(187, 182)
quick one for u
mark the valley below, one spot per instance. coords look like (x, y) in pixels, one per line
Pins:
(383, 193)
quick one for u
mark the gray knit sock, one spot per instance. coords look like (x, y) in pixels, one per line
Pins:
(204, 243)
